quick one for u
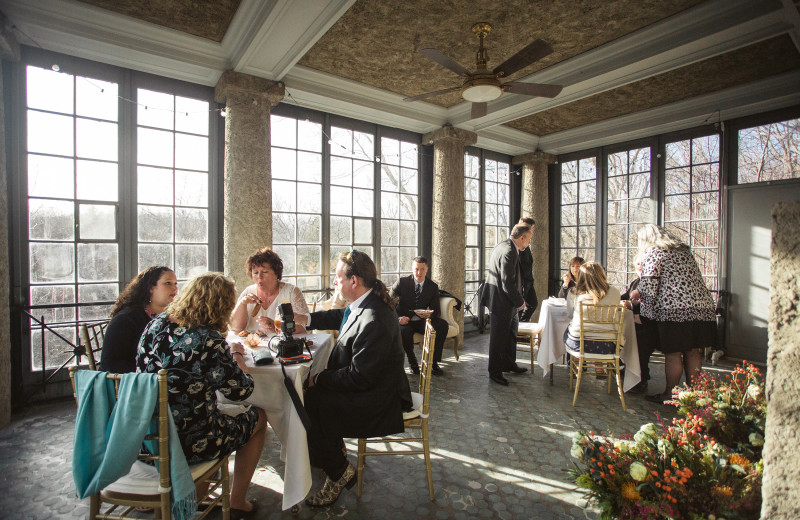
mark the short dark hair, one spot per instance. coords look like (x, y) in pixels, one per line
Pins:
(267, 256)
(420, 260)
(519, 230)
(527, 220)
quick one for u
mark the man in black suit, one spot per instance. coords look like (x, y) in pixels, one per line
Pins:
(417, 292)
(526, 268)
(502, 295)
(363, 391)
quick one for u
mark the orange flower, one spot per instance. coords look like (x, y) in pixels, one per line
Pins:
(722, 491)
(629, 492)
(738, 459)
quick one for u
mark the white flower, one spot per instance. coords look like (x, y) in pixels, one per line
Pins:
(664, 446)
(756, 439)
(577, 437)
(754, 391)
(576, 451)
(702, 402)
(684, 395)
(622, 446)
(638, 471)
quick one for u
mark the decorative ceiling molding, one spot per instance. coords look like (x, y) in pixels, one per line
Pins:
(768, 94)
(792, 12)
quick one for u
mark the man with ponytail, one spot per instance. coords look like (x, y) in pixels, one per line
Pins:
(364, 390)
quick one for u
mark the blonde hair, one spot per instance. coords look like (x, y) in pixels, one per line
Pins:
(650, 235)
(206, 300)
(592, 281)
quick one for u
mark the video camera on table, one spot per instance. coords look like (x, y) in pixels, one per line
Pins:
(288, 346)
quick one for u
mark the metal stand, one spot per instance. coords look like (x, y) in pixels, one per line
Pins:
(477, 318)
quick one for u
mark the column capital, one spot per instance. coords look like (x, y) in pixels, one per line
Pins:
(532, 157)
(234, 87)
(9, 45)
(451, 133)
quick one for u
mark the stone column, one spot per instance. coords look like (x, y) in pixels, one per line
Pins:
(448, 241)
(248, 167)
(535, 190)
(9, 51)
(781, 491)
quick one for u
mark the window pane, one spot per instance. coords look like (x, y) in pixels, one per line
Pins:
(309, 136)
(341, 201)
(50, 133)
(284, 197)
(362, 231)
(96, 139)
(97, 222)
(155, 109)
(390, 232)
(191, 225)
(283, 228)
(283, 132)
(96, 98)
(408, 233)
(390, 205)
(569, 172)
(191, 115)
(49, 90)
(676, 207)
(155, 254)
(50, 176)
(284, 164)
(98, 292)
(97, 180)
(51, 219)
(390, 178)
(190, 261)
(154, 185)
(191, 188)
(155, 147)
(191, 152)
(309, 229)
(52, 262)
(340, 231)
(155, 224)
(97, 262)
(362, 203)
(769, 152)
(309, 167)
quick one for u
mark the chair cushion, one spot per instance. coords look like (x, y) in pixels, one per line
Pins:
(143, 478)
(592, 356)
(529, 329)
(416, 402)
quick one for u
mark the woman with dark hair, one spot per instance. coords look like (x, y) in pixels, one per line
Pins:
(570, 277)
(257, 307)
(364, 390)
(145, 296)
(188, 340)
(674, 295)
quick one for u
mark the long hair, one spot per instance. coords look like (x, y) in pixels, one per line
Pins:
(360, 264)
(650, 235)
(206, 300)
(137, 292)
(575, 260)
(592, 281)
(267, 256)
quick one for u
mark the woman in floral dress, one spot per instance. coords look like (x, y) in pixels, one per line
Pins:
(188, 340)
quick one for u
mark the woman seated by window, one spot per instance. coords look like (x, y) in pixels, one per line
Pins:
(189, 341)
(591, 287)
(257, 307)
(145, 296)
(570, 277)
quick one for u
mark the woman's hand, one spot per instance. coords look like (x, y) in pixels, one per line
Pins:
(566, 279)
(267, 324)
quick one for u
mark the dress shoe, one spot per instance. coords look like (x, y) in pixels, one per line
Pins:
(518, 369)
(436, 370)
(639, 388)
(240, 514)
(658, 398)
(414, 369)
(331, 490)
(499, 379)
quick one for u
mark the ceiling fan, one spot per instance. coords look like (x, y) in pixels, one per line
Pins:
(484, 85)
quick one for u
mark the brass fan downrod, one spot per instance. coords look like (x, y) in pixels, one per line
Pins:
(481, 29)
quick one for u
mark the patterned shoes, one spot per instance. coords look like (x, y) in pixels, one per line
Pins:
(331, 490)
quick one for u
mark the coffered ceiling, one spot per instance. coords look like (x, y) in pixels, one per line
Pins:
(629, 68)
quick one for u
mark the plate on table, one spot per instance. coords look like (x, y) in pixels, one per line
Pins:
(423, 313)
(558, 302)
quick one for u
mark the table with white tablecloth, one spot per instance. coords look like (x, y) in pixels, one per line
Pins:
(554, 320)
(271, 395)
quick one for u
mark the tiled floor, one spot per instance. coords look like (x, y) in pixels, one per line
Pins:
(498, 452)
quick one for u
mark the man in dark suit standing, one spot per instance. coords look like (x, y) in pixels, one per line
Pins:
(417, 292)
(502, 295)
(526, 268)
(363, 391)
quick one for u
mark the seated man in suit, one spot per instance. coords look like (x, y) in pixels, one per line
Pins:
(416, 292)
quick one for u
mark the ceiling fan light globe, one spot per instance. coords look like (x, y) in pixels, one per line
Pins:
(481, 93)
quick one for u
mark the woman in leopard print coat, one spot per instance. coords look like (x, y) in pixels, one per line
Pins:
(675, 296)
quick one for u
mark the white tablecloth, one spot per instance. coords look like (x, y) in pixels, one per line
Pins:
(554, 320)
(271, 395)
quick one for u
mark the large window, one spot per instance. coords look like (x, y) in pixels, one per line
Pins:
(692, 199)
(399, 208)
(108, 184)
(578, 210)
(769, 152)
(629, 205)
(496, 205)
(472, 219)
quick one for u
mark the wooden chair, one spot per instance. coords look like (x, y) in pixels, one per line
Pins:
(447, 305)
(146, 487)
(92, 336)
(598, 323)
(528, 339)
(417, 419)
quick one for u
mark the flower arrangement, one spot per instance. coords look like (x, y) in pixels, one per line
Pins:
(706, 464)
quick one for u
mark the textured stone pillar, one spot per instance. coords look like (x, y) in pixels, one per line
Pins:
(535, 191)
(9, 51)
(248, 169)
(448, 241)
(781, 491)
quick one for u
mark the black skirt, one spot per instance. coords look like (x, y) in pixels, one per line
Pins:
(682, 336)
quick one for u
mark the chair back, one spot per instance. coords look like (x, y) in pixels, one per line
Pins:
(602, 323)
(428, 343)
(92, 336)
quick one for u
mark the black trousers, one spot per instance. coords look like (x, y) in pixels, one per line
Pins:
(502, 341)
(407, 333)
(324, 451)
(647, 341)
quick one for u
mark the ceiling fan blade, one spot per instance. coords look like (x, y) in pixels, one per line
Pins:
(478, 110)
(532, 89)
(444, 61)
(532, 52)
(431, 94)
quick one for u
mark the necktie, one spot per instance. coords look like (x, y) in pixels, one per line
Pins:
(344, 318)
(417, 293)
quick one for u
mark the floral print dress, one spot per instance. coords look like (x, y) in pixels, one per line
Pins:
(198, 363)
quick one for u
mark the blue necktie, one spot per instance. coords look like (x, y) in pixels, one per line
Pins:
(344, 318)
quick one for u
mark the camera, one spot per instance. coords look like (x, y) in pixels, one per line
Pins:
(288, 346)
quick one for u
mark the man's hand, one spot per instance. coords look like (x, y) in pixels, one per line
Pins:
(524, 306)
(403, 320)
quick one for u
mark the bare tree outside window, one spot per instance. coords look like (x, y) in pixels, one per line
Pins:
(578, 210)
(769, 152)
